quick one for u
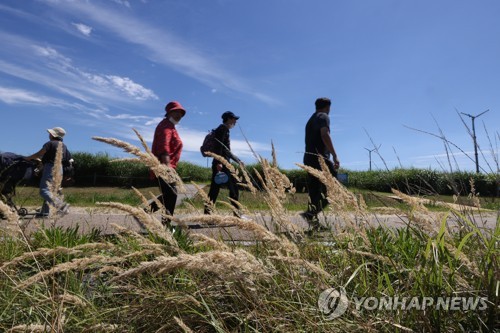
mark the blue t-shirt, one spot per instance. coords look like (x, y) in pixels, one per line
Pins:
(51, 149)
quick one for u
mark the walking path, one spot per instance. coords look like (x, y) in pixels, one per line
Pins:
(87, 219)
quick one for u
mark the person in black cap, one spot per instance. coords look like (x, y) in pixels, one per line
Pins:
(318, 145)
(223, 148)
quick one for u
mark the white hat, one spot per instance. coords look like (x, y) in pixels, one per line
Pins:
(57, 132)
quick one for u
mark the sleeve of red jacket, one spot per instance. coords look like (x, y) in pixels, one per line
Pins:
(162, 139)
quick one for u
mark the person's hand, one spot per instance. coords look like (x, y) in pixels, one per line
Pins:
(164, 159)
(336, 163)
(219, 167)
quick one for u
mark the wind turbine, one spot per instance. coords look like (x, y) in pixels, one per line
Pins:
(370, 154)
(474, 135)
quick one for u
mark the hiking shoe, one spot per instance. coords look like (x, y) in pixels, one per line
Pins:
(166, 221)
(310, 217)
(241, 216)
(320, 228)
(63, 210)
(316, 228)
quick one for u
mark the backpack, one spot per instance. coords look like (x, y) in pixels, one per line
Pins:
(68, 172)
(68, 169)
(209, 143)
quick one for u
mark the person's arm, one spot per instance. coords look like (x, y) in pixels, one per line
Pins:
(226, 148)
(163, 144)
(220, 133)
(39, 154)
(234, 157)
(166, 156)
(327, 140)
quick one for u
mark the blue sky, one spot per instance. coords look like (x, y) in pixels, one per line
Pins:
(101, 68)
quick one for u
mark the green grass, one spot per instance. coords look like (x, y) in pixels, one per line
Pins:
(84, 196)
(369, 263)
(294, 202)
(88, 196)
(60, 280)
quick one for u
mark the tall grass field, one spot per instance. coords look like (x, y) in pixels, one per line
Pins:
(440, 273)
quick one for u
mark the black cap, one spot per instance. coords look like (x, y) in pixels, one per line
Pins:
(228, 114)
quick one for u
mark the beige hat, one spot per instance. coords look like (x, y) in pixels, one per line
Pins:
(57, 132)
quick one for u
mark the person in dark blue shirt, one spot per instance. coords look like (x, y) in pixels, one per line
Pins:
(318, 145)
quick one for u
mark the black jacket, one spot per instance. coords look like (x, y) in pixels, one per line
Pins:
(223, 145)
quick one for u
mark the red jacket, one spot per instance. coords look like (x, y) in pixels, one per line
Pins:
(167, 141)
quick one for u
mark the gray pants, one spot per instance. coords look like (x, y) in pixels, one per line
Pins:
(45, 191)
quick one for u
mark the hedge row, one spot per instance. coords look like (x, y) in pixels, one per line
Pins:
(101, 170)
(425, 181)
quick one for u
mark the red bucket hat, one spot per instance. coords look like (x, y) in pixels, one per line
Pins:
(174, 105)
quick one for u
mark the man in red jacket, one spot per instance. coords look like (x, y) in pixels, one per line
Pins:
(167, 147)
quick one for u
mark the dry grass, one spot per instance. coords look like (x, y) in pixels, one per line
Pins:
(43, 252)
(181, 281)
(182, 325)
(160, 170)
(76, 264)
(148, 221)
(275, 185)
(55, 184)
(11, 219)
(237, 265)
(205, 241)
(29, 328)
(225, 163)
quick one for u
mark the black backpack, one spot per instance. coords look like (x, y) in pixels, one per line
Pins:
(68, 169)
(209, 143)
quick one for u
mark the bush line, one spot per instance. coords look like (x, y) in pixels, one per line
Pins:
(102, 170)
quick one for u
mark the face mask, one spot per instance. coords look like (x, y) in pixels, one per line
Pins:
(173, 121)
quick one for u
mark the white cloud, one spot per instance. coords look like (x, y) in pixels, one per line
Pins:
(131, 88)
(165, 48)
(124, 116)
(51, 54)
(122, 2)
(20, 96)
(52, 69)
(84, 29)
(443, 155)
(14, 96)
(191, 139)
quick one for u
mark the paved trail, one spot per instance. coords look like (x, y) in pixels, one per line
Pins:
(88, 219)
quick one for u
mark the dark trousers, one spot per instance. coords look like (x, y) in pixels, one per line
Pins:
(215, 188)
(168, 196)
(317, 190)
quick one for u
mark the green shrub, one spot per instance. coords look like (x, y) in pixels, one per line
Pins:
(98, 170)
(101, 170)
(424, 182)
(193, 172)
